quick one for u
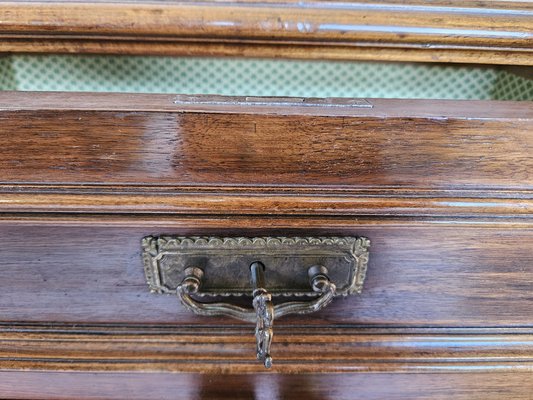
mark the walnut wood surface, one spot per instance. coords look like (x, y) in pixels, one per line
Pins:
(223, 350)
(443, 190)
(492, 32)
(201, 149)
(374, 386)
(434, 274)
(417, 158)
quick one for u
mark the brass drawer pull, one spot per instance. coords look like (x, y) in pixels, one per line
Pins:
(208, 267)
(263, 312)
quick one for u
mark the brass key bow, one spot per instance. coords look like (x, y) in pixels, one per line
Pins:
(264, 311)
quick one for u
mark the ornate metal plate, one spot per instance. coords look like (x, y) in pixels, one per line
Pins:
(226, 263)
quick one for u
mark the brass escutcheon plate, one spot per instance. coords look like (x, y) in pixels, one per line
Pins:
(226, 261)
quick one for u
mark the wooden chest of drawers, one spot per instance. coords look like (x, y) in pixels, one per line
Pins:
(442, 189)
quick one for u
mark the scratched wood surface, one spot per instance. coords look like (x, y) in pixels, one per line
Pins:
(488, 32)
(437, 274)
(414, 145)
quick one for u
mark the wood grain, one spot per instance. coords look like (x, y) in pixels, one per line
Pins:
(241, 201)
(495, 32)
(374, 386)
(149, 155)
(217, 149)
(219, 350)
(434, 274)
(443, 190)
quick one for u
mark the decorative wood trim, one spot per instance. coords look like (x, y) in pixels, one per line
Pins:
(219, 349)
(261, 204)
(258, 223)
(495, 32)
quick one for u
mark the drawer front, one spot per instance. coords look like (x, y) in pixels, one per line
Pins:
(437, 298)
(375, 386)
(150, 140)
(419, 274)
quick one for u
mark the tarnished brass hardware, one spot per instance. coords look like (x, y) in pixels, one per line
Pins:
(264, 313)
(196, 268)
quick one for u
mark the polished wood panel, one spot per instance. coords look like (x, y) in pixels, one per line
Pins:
(455, 273)
(419, 152)
(374, 386)
(495, 32)
(443, 190)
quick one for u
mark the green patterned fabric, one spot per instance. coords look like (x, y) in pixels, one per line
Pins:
(8, 80)
(259, 77)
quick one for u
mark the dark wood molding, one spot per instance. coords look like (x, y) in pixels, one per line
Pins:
(76, 200)
(495, 32)
(229, 350)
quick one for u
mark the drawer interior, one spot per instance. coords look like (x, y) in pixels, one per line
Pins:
(262, 77)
